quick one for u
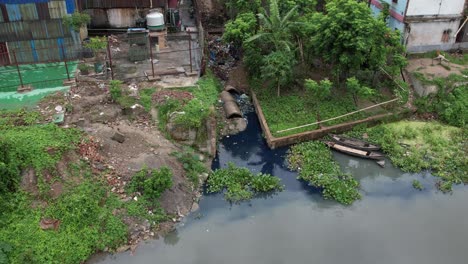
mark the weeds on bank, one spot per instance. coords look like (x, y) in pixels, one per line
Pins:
(86, 224)
(314, 162)
(414, 146)
(241, 184)
(192, 114)
(192, 164)
(147, 185)
(23, 146)
(290, 111)
(88, 214)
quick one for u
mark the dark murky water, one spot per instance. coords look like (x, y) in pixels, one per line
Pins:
(393, 223)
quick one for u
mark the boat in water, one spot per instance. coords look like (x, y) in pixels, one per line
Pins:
(366, 154)
(354, 143)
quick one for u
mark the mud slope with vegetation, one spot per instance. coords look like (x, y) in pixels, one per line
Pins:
(104, 184)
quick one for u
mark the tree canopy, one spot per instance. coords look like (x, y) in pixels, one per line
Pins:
(348, 37)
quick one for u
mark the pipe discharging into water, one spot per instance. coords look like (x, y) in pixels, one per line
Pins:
(230, 106)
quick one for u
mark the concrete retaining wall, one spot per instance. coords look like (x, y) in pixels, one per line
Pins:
(274, 142)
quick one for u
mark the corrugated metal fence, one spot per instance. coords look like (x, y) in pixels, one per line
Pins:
(34, 31)
(27, 10)
(93, 4)
(27, 30)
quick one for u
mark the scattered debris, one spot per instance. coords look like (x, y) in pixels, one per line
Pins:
(48, 224)
(381, 163)
(222, 57)
(119, 137)
(181, 96)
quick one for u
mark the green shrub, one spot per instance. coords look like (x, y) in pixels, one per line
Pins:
(265, 183)
(151, 183)
(5, 249)
(145, 210)
(315, 164)
(87, 224)
(146, 98)
(192, 164)
(240, 183)
(196, 111)
(37, 147)
(415, 146)
(417, 185)
(76, 20)
(115, 89)
(164, 111)
(236, 193)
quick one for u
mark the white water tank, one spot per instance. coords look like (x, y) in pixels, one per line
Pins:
(155, 21)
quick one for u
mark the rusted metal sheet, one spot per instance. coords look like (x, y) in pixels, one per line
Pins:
(172, 3)
(4, 56)
(47, 50)
(28, 12)
(57, 9)
(23, 51)
(98, 17)
(56, 29)
(14, 13)
(19, 30)
(23, 1)
(39, 30)
(91, 4)
(43, 11)
(14, 31)
(4, 13)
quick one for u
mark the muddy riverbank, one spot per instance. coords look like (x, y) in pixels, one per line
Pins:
(393, 223)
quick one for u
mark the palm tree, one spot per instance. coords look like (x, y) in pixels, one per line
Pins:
(275, 28)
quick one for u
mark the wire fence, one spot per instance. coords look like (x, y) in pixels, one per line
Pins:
(126, 57)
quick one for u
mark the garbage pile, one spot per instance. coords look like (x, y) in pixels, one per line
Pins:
(244, 103)
(222, 57)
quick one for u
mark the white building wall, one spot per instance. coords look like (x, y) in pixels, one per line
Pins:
(435, 7)
(427, 36)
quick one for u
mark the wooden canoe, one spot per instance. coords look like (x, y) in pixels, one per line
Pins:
(354, 143)
(355, 152)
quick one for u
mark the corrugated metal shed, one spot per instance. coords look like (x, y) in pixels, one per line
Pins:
(23, 51)
(43, 11)
(57, 9)
(14, 31)
(28, 12)
(14, 13)
(4, 13)
(70, 6)
(22, 1)
(39, 30)
(90, 4)
(17, 31)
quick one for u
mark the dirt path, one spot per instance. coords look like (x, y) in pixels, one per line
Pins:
(433, 69)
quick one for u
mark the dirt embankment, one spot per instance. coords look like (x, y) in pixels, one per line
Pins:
(211, 12)
(120, 144)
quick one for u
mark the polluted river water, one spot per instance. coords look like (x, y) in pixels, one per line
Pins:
(392, 223)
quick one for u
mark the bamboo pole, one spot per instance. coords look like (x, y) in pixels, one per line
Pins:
(18, 69)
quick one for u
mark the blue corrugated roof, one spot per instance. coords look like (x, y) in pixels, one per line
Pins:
(22, 1)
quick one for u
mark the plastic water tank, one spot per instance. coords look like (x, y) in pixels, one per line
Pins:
(155, 21)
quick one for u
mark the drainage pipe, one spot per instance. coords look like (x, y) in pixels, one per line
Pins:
(230, 105)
